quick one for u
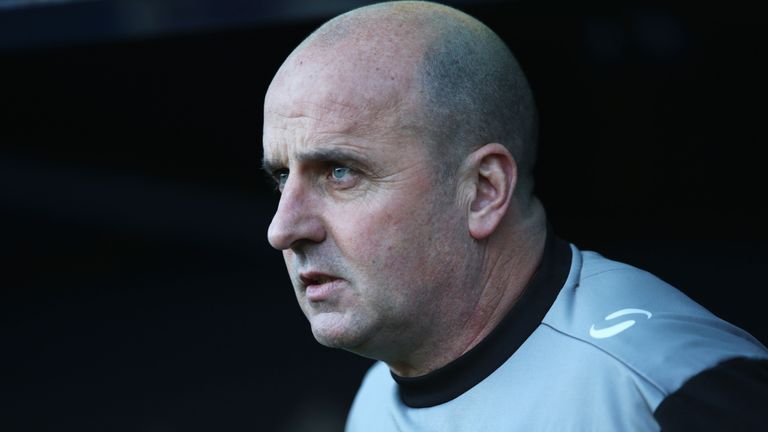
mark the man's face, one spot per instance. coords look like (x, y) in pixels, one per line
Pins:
(368, 236)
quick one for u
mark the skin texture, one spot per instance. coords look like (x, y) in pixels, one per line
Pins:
(389, 258)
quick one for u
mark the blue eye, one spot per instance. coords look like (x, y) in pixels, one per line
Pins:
(282, 178)
(339, 173)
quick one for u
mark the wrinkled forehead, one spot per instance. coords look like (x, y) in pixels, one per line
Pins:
(321, 92)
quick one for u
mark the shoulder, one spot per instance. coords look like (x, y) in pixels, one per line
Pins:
(644, 324)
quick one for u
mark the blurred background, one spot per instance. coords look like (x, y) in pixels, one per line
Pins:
(138, 292)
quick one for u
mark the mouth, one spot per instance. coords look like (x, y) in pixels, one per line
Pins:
(314, 278)
(319, 286)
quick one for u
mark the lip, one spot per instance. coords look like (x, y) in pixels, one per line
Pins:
(319, 286)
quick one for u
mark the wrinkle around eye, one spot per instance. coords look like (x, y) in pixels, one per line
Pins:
(405, 173)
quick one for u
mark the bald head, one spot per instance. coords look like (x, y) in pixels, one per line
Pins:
(446, 75)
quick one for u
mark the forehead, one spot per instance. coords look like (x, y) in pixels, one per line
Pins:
(309, 127)
(321, 102)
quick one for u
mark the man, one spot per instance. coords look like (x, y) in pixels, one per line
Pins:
(402, 137)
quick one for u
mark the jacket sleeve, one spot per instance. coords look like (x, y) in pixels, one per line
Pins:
(728, 397)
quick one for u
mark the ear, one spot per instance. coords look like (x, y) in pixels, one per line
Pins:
(491, 179)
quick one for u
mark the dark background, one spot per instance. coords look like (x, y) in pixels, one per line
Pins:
(138, 292)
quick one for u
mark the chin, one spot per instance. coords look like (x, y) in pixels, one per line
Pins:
(335, 332)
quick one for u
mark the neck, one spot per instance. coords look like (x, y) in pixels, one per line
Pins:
(509, 260)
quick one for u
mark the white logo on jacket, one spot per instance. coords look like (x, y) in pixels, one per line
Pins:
(619, 327)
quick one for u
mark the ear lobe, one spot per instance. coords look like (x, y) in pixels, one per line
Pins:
(494, 175)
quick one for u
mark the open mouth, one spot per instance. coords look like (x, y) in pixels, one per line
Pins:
(319, 287)
(313, 278)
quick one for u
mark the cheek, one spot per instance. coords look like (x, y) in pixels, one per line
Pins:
(392, 231)
(400, 242)
(367, 240)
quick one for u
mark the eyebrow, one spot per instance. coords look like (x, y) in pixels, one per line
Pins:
(318, 156)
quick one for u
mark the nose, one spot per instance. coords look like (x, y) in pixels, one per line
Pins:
(297, 219)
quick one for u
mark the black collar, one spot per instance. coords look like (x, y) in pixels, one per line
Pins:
(455, 378)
